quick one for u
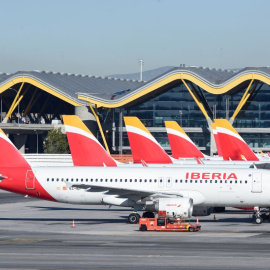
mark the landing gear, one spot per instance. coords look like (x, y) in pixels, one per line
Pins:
(134, 218)
(257, 215)
(148, 214)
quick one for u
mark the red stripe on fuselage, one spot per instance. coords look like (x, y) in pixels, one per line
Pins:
(16, 182)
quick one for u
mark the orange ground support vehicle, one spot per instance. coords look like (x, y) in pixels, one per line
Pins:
(164, 223)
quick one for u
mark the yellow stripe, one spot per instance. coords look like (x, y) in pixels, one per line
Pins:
(174, 125)
(39, 85)
(75, 121)
(225, 124)
(135, 122)
(179, 76)
(213, 126)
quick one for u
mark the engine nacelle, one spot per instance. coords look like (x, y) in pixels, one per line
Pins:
(202, 211)
(175, 206)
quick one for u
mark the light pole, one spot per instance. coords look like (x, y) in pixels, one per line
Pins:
(37, 140)
(18, 103)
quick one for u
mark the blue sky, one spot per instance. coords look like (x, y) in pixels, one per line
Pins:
(105, 37)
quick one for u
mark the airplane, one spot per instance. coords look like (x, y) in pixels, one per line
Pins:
(85, 149)
(181, 145)
(214, 130)
(232, 145)
(174, 190)
(144, 147)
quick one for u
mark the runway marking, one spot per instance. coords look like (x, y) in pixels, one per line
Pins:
(22, 240)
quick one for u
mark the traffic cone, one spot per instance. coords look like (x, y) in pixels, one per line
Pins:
(197, 223)
(73, 224)
(214, 218)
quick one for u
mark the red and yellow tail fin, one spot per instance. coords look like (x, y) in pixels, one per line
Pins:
(85, 148)
(143, 145)
(232, 145)
(181, 144)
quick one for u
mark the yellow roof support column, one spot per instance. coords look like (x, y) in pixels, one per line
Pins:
(197, 100)
(244, 99)
(100, 128)
(11, 109)
(30, 104)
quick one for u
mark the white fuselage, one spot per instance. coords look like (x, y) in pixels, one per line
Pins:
(206, 186)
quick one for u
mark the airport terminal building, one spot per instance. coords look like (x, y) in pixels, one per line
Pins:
(33, 103)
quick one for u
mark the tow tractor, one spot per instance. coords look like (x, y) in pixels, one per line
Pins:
(162, 222)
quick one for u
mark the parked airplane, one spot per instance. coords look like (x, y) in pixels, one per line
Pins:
(232, 145)
(181, 145)
(85, 149)
(214, 130)
(175, 190)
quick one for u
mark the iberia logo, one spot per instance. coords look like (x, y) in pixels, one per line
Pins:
(179, 205)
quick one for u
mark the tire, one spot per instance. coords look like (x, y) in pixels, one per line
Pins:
(133, 218)
(143, 228)
(191, 229)
(258, 220)
(148, 214)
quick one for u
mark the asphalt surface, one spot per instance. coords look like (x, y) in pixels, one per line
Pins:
(37, 234)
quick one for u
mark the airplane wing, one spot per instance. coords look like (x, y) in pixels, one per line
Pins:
(127, 192)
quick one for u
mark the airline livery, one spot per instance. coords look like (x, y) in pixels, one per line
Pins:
(174, 190)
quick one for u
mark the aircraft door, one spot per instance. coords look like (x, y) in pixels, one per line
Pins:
(257, 182)
(169, 182)
(30, 180)
(160, 181)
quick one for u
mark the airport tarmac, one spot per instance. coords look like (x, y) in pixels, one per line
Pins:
(36, 234)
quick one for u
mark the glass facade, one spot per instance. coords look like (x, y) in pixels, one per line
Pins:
(176, 103)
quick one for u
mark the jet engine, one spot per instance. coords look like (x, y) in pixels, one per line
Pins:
(175, 206)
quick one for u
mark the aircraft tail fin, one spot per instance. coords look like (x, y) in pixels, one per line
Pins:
(231, 143)
(214, 128)
(143, 145)
(85, 149)
(181, 144)
(10, 155)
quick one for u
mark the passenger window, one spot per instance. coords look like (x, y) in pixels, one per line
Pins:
(110, 180)
(185, 181)
(92, 179)
(130, 180)
(220, 181)
(81, 180)
(196, 181)
(160, 180)
(215, 181)
(115, 180)
(235, 181)
(86, 180)
(231, 182)
(48, 179)
(176, 181)
(169, 181)
(77, 180)
(125, 180)
(181, 181)
(246, 182)
(225, 181)
(135, 180)
(240, 181)
(101, 180)
(52, 179)
(62, 179)
(150, 180)
(145, 180)
(140, 180)
(96, 180)
(155, 180)
(200, 181)
(57, 179)
(106, 180)
(190, 181)
(121, 180)
(70, 180)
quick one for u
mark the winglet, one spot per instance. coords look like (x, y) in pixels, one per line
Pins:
(143, 145)
(181, 145)
(231, 143)
(85, 149)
